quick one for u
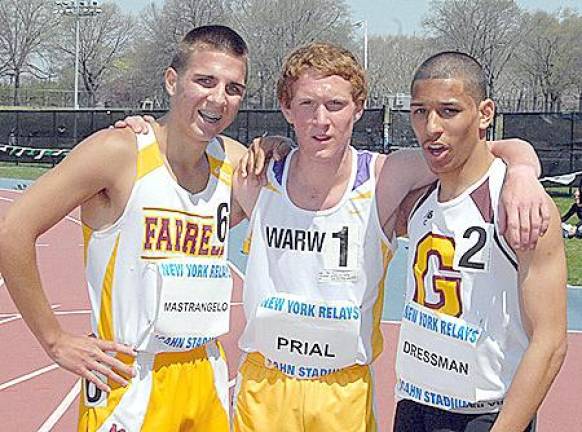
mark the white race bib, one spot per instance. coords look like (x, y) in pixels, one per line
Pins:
(340, 254)
(439, 351)
(306, 338)
(473, 248)
(194, 302)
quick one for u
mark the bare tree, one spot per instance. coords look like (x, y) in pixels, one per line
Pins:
(104, 40)
(162, 28)
(393, 61)
(489, 30)
(24, 30)
(546, 67)
(272, 28)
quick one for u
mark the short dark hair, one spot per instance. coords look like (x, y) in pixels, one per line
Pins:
(453, 64)
(217, 37)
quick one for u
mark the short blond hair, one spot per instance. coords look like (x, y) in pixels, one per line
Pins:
(327, 59)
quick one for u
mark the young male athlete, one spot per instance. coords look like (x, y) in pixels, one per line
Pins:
(155, 210)
(483, 331)
(321, 237)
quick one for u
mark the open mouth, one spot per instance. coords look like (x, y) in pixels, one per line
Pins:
(210, 117)
(436, 150)
(321, 138)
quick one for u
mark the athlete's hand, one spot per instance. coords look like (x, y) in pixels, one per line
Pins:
(260, 151)
(84, 355)
(525, 203)
(138, 124)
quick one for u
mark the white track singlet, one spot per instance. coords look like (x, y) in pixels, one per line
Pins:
(461, 338)
(158, 277)
(314, 285)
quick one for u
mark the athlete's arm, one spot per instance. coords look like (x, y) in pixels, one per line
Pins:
(234, 152)
(250, 174)
(92, 168)
(405, 208)
(398, 174)
(542, 273)
(523, 197)
(261, 150)
(137, 123)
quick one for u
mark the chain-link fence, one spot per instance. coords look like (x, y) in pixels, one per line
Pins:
(26, 133)
(557, 137)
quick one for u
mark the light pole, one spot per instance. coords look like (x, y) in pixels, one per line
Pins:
(363, 24)
(77, 9)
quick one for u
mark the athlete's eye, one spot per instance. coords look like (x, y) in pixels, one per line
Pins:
(235, 90)
(205, 82)
(335, 105)
(450, 112)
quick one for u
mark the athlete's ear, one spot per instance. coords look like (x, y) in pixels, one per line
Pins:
(170, 80)
(486, 113)
(287, 112)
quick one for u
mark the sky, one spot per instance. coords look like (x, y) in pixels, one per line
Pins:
(398, 16)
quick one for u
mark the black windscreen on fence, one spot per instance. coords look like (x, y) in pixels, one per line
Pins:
(400, 133)
(63, 129)
(557, 138)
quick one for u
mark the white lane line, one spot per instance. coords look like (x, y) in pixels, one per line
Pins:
(12, 318)
(72, 219)
(231, 383)
(61, 409)
(74, 312)
(17, 316)
(28, 376)
(1, 281)
(238, 272)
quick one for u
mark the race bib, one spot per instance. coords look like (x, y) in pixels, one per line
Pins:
(473, 248)
(194, 302)
(305, 338)
(440, 351)
(340, 254)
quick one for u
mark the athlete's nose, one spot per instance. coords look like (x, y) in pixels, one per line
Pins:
(433, 123)
(218, 96)
(321, 115)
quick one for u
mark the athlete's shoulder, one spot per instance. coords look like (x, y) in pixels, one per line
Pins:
(111, 143)
(233, 149)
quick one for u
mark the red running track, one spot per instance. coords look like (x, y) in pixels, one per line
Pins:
(36, 395)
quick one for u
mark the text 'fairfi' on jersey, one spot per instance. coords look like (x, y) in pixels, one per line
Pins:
(171, 233)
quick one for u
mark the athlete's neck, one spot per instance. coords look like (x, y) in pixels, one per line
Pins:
(185, 158)
(318, 184)
(455, 182)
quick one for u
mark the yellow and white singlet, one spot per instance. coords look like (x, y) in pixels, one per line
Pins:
(313, 301)
(158, 281)
(461, 337)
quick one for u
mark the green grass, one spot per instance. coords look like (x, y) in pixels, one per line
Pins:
(560, 196)
(22, 171)
(573, 246)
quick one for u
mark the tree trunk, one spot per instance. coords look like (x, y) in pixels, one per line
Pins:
(16, 88)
